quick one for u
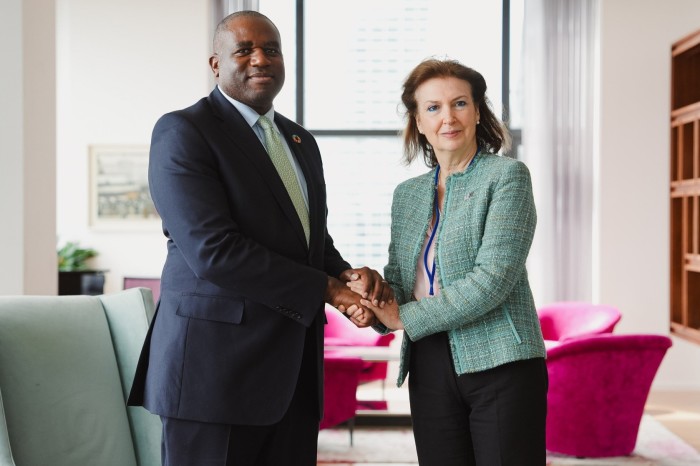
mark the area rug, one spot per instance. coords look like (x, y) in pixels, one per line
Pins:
(656, 446)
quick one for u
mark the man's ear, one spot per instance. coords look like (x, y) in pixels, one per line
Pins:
(214, 65)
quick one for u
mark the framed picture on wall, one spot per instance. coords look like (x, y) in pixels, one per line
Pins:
(119, 195)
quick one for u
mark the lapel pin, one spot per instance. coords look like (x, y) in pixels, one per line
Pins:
(296, 139)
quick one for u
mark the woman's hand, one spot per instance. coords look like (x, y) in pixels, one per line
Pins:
(360, 317)
(369, 284)
(388, 315)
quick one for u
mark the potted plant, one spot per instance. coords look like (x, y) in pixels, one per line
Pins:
(74, 275)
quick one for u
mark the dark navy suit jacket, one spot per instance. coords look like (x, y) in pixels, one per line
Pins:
(240, 286)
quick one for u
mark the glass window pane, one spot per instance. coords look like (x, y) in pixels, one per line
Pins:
(354, 67)
(361, 174)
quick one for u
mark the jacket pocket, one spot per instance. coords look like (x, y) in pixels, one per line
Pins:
(209, 307)
(512, 325)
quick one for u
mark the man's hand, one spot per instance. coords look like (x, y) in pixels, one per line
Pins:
(369, 284)
(343, 298)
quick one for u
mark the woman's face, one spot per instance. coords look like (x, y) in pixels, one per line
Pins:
(447, 116)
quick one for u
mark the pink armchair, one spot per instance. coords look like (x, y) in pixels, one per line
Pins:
(340, 380)
(598, 386)
(341, 332)
(563, 320)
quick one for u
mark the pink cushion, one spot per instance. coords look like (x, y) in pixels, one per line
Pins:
(563, 320)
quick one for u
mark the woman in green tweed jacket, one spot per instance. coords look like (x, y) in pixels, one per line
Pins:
(460, 235)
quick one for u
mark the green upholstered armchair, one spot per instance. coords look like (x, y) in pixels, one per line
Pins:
(66, 366)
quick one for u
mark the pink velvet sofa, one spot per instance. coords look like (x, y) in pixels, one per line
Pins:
(598, 386)
(341, 332)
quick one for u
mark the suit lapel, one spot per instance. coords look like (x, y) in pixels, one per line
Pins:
(242, 135)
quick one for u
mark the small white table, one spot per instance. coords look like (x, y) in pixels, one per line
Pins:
(366, 353)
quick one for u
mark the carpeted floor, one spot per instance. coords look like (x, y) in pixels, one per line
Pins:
(656, 446)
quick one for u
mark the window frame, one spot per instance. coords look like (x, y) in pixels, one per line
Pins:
(516, 133)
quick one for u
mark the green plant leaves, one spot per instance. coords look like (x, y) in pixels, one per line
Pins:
(71, 257)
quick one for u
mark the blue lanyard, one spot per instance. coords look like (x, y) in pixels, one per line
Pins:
(431, 271)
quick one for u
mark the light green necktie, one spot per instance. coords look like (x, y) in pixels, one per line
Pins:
(284, 167)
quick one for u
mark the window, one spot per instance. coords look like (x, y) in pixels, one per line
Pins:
(345, 67)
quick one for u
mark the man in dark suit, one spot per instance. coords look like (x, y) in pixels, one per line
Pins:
(233, 359)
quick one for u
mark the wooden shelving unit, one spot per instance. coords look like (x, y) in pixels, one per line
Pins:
(685, 187)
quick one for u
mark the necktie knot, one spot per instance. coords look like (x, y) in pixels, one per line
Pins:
(265, 122)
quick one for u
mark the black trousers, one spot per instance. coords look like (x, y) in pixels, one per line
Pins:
(490, 418)
(291, 442)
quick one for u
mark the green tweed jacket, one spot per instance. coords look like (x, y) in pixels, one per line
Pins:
(485, 303)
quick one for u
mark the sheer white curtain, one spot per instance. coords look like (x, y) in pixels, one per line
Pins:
(240, 5)
(560, 60)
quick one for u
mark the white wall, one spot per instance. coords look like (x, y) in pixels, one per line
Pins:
(121, 65)
(636, 38)
(27, 147)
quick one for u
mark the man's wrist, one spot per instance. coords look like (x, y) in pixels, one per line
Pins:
(331, 289)
(346, 275)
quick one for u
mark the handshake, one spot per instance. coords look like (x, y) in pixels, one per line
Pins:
(364, 297)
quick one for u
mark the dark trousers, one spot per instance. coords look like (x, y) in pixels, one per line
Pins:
(490, 418)
(292, 441)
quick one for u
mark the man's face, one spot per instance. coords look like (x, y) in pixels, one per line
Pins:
(247, 62)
